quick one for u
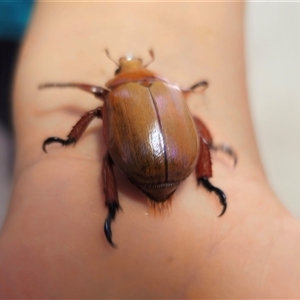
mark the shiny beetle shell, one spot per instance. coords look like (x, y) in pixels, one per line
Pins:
(151, 135)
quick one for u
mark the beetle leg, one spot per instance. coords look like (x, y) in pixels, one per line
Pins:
(205, 134)
(203, 168)
(202, 84)
(222, 197)
(204, 171)
(203, 131)
(77, 130)
(226, 149)
(111, 196)
(97, 91)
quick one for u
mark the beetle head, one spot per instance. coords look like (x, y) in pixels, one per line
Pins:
(130, 63)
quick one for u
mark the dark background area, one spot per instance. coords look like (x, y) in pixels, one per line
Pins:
(14, 17)
(8, 55)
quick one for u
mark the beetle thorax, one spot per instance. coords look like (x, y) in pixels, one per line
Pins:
(131, 64)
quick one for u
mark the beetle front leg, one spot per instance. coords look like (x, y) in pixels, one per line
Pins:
(202, 85)
(97, 91)
(111, 196)
(204, 171)
(77, 130)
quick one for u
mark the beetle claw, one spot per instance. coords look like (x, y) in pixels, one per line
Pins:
(217, 191)
(108, 232)
(113, 208)
(51, 140)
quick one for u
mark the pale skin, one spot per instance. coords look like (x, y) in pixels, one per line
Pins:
(52, 244)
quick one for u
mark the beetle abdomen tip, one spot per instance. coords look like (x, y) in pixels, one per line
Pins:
(160, 208)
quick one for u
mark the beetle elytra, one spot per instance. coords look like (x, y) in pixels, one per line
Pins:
(149, 133)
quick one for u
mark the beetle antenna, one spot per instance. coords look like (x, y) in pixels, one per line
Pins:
(109, 57)
(152, 58)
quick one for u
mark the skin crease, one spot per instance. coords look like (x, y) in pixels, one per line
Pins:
(52, 244)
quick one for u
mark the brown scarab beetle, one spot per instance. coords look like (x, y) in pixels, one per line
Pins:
(149, 133)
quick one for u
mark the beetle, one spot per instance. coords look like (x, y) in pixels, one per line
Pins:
(149, 133)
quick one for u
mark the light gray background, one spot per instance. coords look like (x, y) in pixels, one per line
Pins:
(273, 62)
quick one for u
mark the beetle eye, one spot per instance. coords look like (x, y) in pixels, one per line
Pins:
(117, 71)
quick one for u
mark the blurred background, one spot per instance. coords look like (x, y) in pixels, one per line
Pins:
(273, 70)
(13, 19)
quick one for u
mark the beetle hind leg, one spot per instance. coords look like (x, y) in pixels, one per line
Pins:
(77, 130)
(204, 171)
(205, 134)
(113, 208)
(208, 186)
(111, 197)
